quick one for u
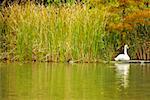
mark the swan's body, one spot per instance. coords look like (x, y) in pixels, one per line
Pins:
(123, 56)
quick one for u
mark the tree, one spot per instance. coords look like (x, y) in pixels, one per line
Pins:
(133, 26)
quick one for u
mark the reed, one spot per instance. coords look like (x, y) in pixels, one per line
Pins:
(52, 33)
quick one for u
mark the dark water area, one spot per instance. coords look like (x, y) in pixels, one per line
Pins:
(50, 81)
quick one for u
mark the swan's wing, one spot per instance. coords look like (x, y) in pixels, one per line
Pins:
(120, 57)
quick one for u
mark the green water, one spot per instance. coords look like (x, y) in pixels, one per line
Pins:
(74, 82)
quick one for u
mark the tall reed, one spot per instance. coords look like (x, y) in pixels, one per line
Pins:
(52, 33)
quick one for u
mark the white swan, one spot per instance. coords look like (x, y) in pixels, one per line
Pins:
(123, 56)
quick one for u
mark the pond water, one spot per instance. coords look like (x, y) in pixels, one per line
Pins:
(47, 81)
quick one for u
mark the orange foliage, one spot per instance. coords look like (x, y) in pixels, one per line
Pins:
(141, 17)
(121, 26)
(139, 14)
(130, 1)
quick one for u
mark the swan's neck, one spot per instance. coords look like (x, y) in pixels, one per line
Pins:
(125, 51)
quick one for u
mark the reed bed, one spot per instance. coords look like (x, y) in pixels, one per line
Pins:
(52, 33)
(70, 31)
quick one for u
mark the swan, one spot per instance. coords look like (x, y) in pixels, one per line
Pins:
(123, 56)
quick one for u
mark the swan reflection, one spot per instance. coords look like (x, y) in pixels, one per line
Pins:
(123, 73)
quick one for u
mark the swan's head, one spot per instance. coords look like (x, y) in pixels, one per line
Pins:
(126, 46)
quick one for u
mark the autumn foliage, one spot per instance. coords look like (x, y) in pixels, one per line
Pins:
(133, 25)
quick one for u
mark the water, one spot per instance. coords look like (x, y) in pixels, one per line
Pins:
(74, 82)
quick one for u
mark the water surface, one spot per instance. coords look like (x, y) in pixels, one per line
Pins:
(46, 81)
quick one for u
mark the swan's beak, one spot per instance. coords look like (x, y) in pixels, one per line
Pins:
(127, 47)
